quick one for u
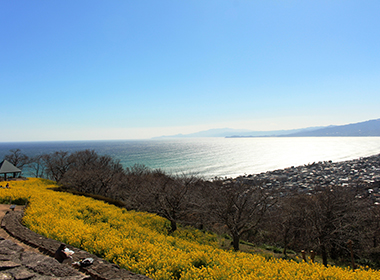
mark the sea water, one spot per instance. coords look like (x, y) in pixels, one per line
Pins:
(214, 157)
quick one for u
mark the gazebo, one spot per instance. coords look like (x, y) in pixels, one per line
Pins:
(7, 167)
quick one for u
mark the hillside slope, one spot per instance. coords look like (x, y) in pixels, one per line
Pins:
(367, 128)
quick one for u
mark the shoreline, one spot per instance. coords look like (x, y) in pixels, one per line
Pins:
(364, 172)
(214, 157)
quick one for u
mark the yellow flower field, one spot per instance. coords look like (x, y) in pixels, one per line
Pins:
(140, 242)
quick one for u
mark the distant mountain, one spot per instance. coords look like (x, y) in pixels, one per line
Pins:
(367, 128)
(229, 132)
(218, 132)
(273, 133)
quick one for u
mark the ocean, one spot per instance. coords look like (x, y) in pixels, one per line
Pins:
(214, 157)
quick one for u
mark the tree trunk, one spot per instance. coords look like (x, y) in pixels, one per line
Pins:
(324, 255)
(236, 241)
(375, 235)
(333, 252)
(285, 243)
(173, 225)
(375, 240)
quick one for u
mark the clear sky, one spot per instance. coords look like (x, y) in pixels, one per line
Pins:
(87, 70)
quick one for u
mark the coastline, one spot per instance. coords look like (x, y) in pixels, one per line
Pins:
(362, 172)
(214, 157)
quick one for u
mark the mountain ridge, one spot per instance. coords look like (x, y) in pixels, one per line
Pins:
(365, 128)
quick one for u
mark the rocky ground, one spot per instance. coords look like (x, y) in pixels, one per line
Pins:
(17, 263)
(5, 235)
(27, 255)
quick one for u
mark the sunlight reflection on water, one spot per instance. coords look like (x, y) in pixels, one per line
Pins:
(210, 157)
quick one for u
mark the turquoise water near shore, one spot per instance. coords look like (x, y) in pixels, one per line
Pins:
(210, 157)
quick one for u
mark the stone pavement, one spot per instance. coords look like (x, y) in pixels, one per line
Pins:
(20, 263)
(17, 263)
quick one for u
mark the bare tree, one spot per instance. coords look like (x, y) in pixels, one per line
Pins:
(173, 197)
(107, 175)
(375, 225)
(92, 173)
(288, 223)
(138, 170)
(17, 158)
(134, 191)
(240, 207)
(336, 216)
(37, 166)
(170, 196)
(56, 165)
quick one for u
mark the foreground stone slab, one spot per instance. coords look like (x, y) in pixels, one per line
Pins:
(23, 275)
(99, 270)
(8, 264)
(22, 265)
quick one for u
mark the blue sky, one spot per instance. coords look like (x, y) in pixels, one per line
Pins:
(87, 70)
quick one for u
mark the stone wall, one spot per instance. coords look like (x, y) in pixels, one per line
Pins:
(99, 270)
(18, 264)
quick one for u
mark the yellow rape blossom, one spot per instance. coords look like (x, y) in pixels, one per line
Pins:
(139, 242)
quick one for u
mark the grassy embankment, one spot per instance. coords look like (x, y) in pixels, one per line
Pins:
(140, 242)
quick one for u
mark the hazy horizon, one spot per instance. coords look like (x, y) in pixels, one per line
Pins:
(110, 70)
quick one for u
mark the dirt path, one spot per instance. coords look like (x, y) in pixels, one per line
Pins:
(3, 209)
